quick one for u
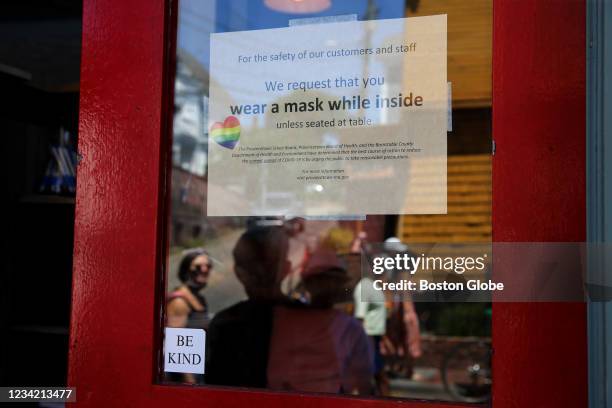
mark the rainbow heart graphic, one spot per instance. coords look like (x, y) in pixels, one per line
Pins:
(226, 134)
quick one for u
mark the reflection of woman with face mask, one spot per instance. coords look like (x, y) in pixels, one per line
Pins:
(186, 306)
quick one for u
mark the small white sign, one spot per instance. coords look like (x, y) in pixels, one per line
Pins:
(184, 350)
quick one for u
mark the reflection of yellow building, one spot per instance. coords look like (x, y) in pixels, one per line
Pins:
(469, 206)
(469, 160)
(469, 48)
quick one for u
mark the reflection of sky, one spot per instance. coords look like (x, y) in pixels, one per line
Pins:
(198, 18)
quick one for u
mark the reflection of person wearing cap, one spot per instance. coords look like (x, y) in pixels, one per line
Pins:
(371, 311)
(314, 347)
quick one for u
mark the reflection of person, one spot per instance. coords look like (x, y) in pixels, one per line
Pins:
(370, 309)
(238, 337)
(186, 306)
(402, 343)
(411, 321)
(397, 337)
(408, 314)
(314, 347)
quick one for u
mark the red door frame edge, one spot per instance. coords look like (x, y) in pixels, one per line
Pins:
(539, 192)
(165, 178)
(120, 199)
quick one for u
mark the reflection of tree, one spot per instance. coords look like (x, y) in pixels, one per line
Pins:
(190, 151)
(190, 115)
(191, 94)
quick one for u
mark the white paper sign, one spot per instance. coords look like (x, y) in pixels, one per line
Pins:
(330, 119)
(184, 350)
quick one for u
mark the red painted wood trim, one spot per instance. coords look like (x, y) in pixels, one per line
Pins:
(539, 192)
(165, 196)
(116, 221)
(117, 231)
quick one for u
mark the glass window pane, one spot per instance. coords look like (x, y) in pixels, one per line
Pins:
(279, 293)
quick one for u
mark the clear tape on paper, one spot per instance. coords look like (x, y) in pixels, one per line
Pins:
(322, 20)
(450, 107)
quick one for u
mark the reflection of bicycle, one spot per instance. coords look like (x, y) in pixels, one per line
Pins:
(466, 371)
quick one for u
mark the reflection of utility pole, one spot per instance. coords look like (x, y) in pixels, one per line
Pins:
(371, 13)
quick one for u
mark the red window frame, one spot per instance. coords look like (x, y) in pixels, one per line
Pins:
(540, 350)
